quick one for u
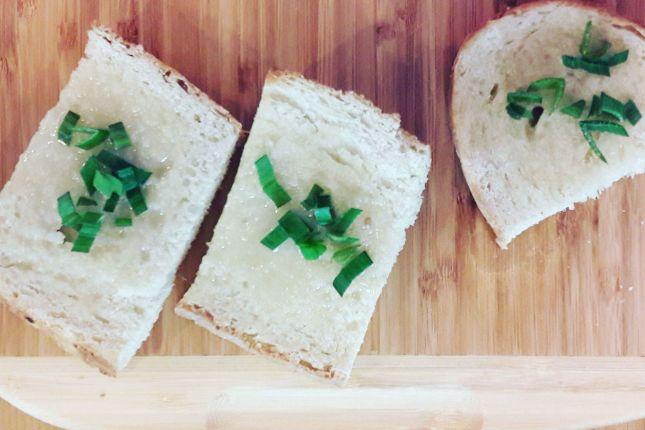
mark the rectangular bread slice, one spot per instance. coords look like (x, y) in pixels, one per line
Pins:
(275, 302)
(518, 174)
(102, 305)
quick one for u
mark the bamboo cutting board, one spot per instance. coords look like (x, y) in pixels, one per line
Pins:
(571, 286)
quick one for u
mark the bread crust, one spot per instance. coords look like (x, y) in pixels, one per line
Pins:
(206, 319)
(170, 72)
(87, 354)
(408, 138)
(478, 195)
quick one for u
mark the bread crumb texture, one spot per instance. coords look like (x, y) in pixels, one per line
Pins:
(277, 303)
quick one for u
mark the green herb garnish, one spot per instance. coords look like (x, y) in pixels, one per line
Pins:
(137, 200)
(275, 238)
(65, 129)
(123, 222)
(86, 201)
(612, 107)
(632, 113)
(107, 184)
(588, 127)
(98, 137)
(596, 61)
(575, 109)
(351, 271)
(68, 215)
(111, 203)
(119, 136)
(269, 182)
(310, 228)
(550, 84)
(90, 226)
(523, 97)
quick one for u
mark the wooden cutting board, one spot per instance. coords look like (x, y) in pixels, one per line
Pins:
(571, 286)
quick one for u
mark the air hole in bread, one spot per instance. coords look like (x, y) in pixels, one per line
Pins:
(101, 319)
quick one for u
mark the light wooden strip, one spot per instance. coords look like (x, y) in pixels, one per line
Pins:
(385, 392)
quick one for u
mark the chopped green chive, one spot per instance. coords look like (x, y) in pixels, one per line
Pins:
(351, 271)
(592, 144)
(516, 111)
(85, 201)
(574, 109)
(87, 173)
(323, 215)
(269, 182)
(68, 215)
(312, 249)
(344, 255)
(632, 113)
(275, 238)
(604, 127)
(343, 224)
(116, 163)
(137, 201)
(611, 106)
(123, 222)
(97, 138)
(128, 178)
(586, 40)
(594, 67)
(342, 240)
(65, 129)
(523, 97)
(618, 58)
(107, 184)
(311, 201)
(111, 203)
(594, 110)
(296, 228)
(90, 226)
(553, 84)
(119, 136)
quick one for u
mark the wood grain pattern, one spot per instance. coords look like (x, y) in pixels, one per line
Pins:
(571, 286)
(385, 392)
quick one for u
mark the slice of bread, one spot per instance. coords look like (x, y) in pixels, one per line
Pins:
(275, 302)
(102, 305)
(520, 175)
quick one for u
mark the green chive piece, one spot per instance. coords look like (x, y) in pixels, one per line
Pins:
(65, 129)
(119, 136)
(604, 127)
(592, 144)
(87, 173)
(341, 239)
(351, 271)
(554, 84)
(523, 97)
(594, 110)
(342, 225)
(611, 106)
(632, 113)
(295, 227)
(107, 184)
(128, 178)
(110, 204)
(323, 215)
(269, 182)
(116, 163)
(123, 222)
(618, 58)
(137, 201)
(574, 109)
(86, 201)
(86, 130)
(311, 201)
(97, 138)
(343, 256)
(275, 238)
(311, 249)
(598, 67)
(90, 226)
(586, 40)
(68, 215)
(516, 111)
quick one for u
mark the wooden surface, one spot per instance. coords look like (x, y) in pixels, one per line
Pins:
(385, 392)
(571, 286)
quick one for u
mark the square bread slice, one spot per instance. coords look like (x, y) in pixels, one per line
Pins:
(520, 175)
(102, 305)
(275, 302)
